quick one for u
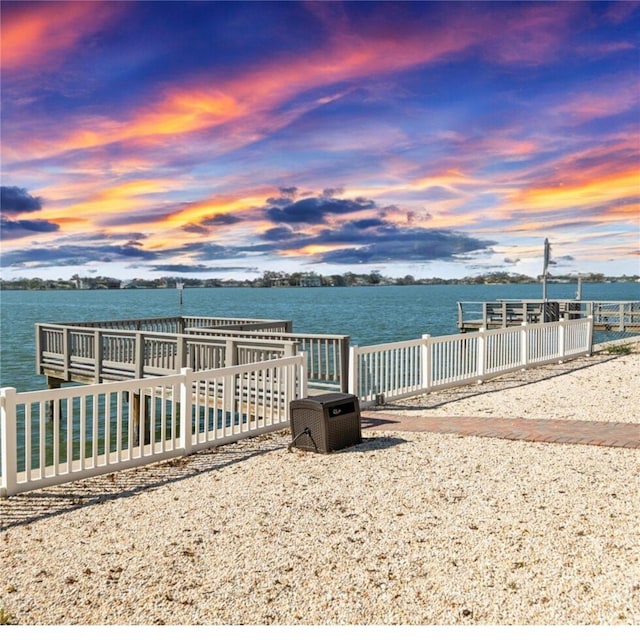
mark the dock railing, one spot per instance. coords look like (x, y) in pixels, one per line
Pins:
(615, 316)
(327, 354)
(621, 316)
(54, 436)
(402, 369)
(94, 355)
(93, 352)
(178, 324)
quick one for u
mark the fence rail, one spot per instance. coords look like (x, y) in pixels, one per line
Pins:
(402, 369)
(58, 435)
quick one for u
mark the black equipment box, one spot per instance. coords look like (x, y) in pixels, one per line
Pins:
(325, 422)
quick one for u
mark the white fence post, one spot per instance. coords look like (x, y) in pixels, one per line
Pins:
(427, 368)
(228, 396)
(304, 375)
(482, 353)
(185, 413)
(353, 371)
(561, 337)
(590, 334)
(8, 439)
(524, 345)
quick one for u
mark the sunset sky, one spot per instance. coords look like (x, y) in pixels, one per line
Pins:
(224, 139)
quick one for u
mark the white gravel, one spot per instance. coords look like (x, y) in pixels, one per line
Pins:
(420, 529)
(598, 388)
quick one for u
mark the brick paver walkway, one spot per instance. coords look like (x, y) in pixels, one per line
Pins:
(609, 434)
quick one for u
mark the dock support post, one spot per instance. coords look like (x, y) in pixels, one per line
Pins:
(135, 404)
(53, 383)
(141, 418)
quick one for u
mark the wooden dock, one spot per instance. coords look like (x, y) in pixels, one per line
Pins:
(607, 315)
(108, 351)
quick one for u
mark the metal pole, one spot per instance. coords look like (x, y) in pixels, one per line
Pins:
(579, 292)
(547, 253)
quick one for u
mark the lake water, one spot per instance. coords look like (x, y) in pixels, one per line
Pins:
(369, 315)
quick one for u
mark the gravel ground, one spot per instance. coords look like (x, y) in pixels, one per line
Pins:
(412, 529)
(602, 387)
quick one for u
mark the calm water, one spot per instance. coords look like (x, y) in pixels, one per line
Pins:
(369, 315)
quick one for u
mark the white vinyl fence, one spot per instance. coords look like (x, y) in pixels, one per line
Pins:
(55, 436)
(380, 373)
(58, 435)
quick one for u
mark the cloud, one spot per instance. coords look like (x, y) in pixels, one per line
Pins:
(435, 117)
(18, 200)
(284, 234)
(74, 254)
(358, 240)
(315, 210)
(42, 34)
(204, 226)
(221, 219)
(414, 217)
(394, 244)
(22, 228)
(196, 228)
(205, 251)
(261, 100)
(197, 268)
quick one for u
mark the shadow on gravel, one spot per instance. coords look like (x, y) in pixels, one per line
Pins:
(33, 506)
(26, 508)
(374, 443)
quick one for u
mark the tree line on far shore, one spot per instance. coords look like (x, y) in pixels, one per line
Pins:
(282, 279)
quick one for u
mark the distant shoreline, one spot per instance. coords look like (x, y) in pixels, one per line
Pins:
(297, 281)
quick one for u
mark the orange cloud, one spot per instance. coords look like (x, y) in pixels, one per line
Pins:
(597, 191)
(625, 212)
(191, 108)
(40, 34)
(198, 211)
(89, 208)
